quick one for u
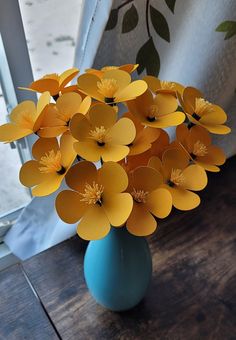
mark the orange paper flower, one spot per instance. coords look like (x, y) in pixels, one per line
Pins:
(25, 119)
(144, 138)
(197, 143)
(53, 83)
(57, 117)
(97, 199)
(100, 135)
(113, 87)
(162, 86)
(156, 111)
(50, 166)
(149, 200)
(200, 112)
(99, 73)
(180, 178)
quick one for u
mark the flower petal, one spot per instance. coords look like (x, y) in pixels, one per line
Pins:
(207, 167)
(174, 159)
(68, 104)
(45, 84)
(216, 116)
(48, 186)
(153, 83)
(30, 175)
(159, 202)
(166, 103)
(11, 132)
(123, 132)
(51, 117)
(94, 225)
(113, 177)
(133, 90)
(26, 108)
(147, 179)
(184, 199)
(69, 206)
(80, 174)
(85, 105)
(171, 119)
(42, 105)
(217, 129)
(80, 126)
(198, 133)
(102, 115)
(68, 153)
(189, 96)
(122, 78)
(50, 132)
(90, 151)
(215, 155)
(113, 152)
(195, 178)
(117, 207)
(43, 145)
(67, 76)
(87, 83)
(140, 221)
(129, 67)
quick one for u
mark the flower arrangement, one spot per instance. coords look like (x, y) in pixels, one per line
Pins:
(121, 169)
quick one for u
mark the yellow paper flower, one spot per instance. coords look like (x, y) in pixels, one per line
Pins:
(113, 87)
(100, 135)
(180, 178)
(149, 200)
(162, 86)
(25, 119)
(144, 138)
(201, 112)
(53, 83)
(97, 199)
(57, 117)
(197, 143)
(50, 166)
(156, 111)
(99, 73)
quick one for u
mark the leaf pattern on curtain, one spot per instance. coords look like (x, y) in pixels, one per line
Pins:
(147, 56)
(229, 27)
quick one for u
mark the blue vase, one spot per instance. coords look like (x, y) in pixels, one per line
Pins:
(118, 269)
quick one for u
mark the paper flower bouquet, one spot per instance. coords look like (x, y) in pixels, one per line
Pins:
(105, 136)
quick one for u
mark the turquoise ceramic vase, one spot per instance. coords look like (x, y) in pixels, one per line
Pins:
(118, 269)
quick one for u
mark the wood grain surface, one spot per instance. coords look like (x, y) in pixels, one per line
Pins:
(193, 291)
(21, 314)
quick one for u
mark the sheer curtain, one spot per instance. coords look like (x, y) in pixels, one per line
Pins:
(191, 42)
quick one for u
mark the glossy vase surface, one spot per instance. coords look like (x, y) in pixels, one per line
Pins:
(118, 269)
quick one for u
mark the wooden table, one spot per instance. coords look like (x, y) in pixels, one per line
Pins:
(192, 295)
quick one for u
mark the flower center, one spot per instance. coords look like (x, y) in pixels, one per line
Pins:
(108, 68)
(176, 177)
(167, 85)
(199, 149)
(92, 194)
(52, 163)
(99, 135)
(202, 106)
(152, 113)
(140, 196)
(108, 87)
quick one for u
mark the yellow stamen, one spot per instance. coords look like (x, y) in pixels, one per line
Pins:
(202, 106)
(177, 177)
(108, 68)
(92, 193)
(54, 76)
(99, 134)
(140, 196)
(51, 162)
(167, 85)
(199, 149)
(107, 87)
(152, 112)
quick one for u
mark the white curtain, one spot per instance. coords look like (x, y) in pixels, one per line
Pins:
(191, 42)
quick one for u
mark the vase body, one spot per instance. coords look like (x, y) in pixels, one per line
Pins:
(118, 269)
